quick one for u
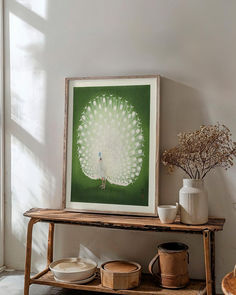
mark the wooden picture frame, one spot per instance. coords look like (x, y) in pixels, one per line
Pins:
(111, 145)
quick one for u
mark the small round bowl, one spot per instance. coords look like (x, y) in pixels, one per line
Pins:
(73, 269)
(167, 213)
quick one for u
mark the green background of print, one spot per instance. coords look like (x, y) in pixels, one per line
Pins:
(84, 189)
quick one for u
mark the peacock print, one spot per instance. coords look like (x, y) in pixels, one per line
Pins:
(110, 141)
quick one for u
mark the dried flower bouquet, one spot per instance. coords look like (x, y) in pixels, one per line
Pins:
(201, 151)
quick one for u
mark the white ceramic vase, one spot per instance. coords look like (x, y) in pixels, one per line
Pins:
(193, 202)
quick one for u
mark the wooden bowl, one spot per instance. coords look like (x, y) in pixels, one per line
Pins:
(228, 284)
(118, 275)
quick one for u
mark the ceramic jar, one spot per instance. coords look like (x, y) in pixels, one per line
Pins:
(193, 202)
(173, 259)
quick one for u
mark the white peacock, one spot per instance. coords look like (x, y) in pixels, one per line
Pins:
(110, 141)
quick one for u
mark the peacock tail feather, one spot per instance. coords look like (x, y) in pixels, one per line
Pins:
(109, 126)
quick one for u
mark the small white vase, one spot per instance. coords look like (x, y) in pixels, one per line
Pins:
(193, 202)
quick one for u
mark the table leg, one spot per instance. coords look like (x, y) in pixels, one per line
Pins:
(207, 258)
(212, 241)
(50, 243)
(28, 255)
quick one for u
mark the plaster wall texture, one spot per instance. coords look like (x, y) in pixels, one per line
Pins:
(1, 139)
(191, 44)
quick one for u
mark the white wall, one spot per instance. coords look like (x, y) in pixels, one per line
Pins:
(1, 140)
(190, 43)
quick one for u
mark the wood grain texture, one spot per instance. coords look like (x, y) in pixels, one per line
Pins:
(147, 286)
(120, 276)
(65, 143)
(28, 255)
(158, 120)
(229, 284)
(40, 274)
(120, 266)
(121, 222)
(112, 77)
(50, 243)
(213, 277)
(206, 242)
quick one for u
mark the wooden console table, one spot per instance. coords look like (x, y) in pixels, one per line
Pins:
(147, 287)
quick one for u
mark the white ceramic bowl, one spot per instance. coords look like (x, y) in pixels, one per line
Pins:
(73, 269)
(167, 213)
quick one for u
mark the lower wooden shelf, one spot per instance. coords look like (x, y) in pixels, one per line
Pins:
(147, 287)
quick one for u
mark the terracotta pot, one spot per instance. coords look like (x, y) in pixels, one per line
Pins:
(173, 261)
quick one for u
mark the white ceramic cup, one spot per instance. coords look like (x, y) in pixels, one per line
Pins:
(167, 213)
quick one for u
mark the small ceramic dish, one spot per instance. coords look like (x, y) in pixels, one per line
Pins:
(73, 269)
(85, 281)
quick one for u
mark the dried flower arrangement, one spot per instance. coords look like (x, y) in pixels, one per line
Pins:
(201, 151)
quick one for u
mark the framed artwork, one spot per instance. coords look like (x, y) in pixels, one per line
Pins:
(111, 145)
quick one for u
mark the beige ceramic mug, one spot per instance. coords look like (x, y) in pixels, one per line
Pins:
(167, 213)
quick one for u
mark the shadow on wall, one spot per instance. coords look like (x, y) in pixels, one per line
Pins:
(222, 204)
(182, 109)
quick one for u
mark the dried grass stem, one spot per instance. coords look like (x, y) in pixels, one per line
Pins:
(198, 152)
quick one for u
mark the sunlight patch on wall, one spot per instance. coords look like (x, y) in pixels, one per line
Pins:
(31, 184)
(27, 77)
(84, 252)
(31, 180)
(40, 7)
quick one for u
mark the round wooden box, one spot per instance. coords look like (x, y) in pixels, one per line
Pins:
(118, 275)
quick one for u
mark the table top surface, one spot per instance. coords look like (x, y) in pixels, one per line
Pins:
(122, 222)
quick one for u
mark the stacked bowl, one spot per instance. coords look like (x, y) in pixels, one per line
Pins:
(74, 270)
